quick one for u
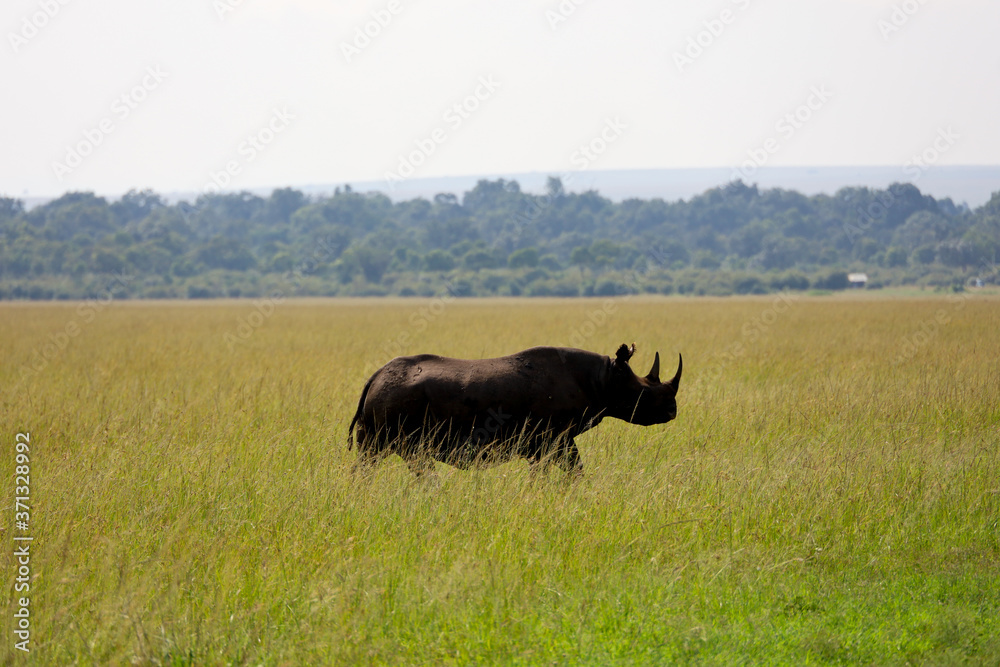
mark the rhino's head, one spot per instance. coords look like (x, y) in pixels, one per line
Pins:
(642, 400)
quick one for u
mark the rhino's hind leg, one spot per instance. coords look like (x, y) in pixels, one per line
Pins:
(365, 462)
(372, 448)
(368, 458)
(420, 465)
(413, 448)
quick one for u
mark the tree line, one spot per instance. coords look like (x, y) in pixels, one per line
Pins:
(493, 240)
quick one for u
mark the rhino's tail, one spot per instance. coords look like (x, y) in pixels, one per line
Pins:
(357, 415)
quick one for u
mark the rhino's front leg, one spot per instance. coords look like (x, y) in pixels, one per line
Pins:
(565, 454)
(569, 459)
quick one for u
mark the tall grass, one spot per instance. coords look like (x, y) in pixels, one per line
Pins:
(829, 493)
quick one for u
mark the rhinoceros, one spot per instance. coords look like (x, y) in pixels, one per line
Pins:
(530, 405)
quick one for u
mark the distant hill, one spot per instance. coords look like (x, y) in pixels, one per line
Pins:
(971, 185)
(965, 184)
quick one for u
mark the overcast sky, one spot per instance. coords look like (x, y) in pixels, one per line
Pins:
(178, 96)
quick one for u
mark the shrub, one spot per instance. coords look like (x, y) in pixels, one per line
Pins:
(523, 258)
(749, 285)
(610, 287)
(554, 288)
(835, 280)
(439, 260)
(790, 280)
(199, 292)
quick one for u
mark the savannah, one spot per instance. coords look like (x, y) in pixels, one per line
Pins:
(829, 492)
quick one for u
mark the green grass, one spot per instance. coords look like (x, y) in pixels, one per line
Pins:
(822, 497)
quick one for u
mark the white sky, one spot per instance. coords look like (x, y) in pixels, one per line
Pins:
(225, 74)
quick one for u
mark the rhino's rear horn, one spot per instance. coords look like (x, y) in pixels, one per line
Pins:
(654, 372)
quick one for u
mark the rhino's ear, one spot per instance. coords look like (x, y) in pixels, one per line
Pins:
(625, 353)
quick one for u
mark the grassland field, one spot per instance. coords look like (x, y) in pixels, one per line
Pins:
(828, 494)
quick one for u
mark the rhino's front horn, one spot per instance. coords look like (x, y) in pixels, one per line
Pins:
(676, 381)
(654, 372)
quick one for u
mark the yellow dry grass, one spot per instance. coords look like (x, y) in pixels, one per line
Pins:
(829, 491)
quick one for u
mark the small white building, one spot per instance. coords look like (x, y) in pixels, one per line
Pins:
(858, 280)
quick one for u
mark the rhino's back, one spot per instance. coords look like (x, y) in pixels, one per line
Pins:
(540, 381)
